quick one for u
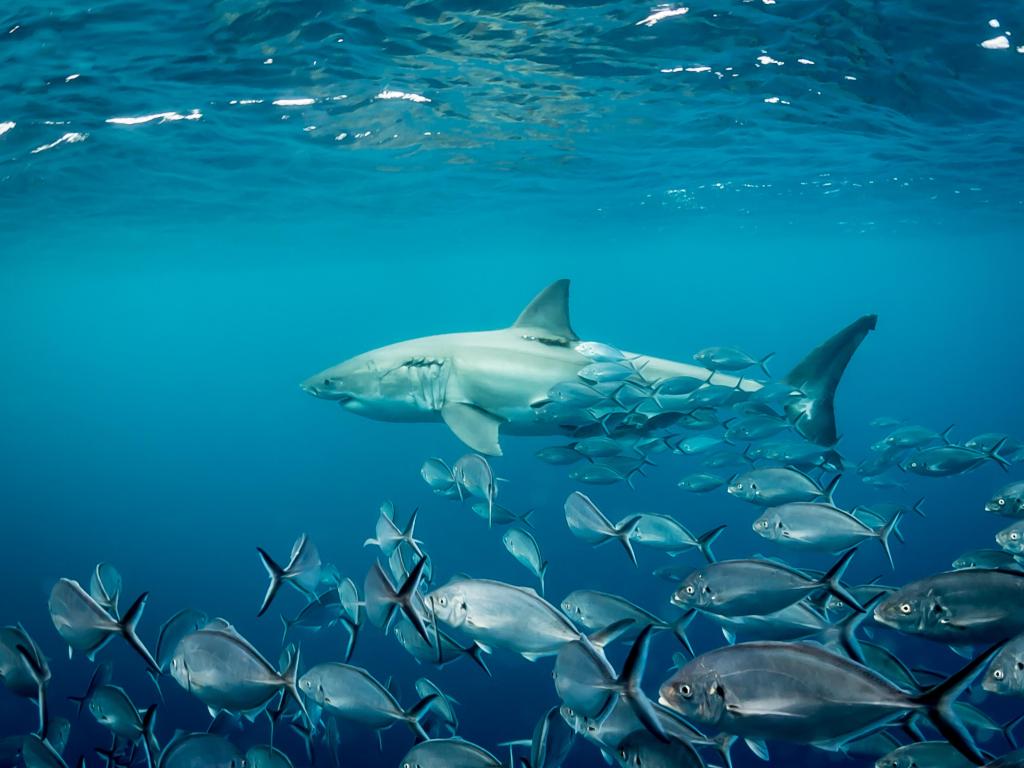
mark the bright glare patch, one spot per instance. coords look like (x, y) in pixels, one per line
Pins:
(775, 100)
(994, 23)
(163, 117)
(804, 61)
(293, 102)
(996, 43)
(67, 138)
(404, 96)
(660, 13)
(69, 78)
(5, 127)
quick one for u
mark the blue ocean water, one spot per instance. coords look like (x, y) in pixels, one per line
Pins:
(204, 203)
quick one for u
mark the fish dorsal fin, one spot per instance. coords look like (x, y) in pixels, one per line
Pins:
(549, 312)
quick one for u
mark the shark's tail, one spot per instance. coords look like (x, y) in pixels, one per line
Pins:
(817, 376)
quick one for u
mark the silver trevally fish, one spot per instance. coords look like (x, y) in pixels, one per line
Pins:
(113, 709)
(480, 383)
(39, 753)
(499, 515)
(947, 460)
(757, 587)
(266, 756)
(822, 527)
(353, 694)
(772, 486)
(225, 672)
(86, 626)
(171, 631)
(975, 605)
(1005, 675)
(643, 749)
(596, 610)
(803, 694)
(440, 649)
(666, 533)
(302, 571)
(987, 558)
(924, 754)
(587, 683)
(525, 549)
(105, 587)
(201, 750)
(613, 727)
(1008, 501)
(449, 753)
(1012, 448)
(24, 670)
(588, 523)
(439, 476)
(388, 535)
(503, 616)
(731, 359)
(793, 622)
(475, 476)
(1011, 538)
(443, 706)
(911, 436)
(550, 742)
(701, 482)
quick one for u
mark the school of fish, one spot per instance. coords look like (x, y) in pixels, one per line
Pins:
(805, 656)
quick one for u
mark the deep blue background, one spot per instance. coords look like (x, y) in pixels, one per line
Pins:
(164, 287)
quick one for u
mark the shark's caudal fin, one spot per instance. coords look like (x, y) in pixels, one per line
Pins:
(817, 376)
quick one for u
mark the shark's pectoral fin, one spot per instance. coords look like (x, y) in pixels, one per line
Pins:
(474, 426)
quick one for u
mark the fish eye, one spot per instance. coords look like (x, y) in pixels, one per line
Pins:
(689, 589)
(1001, 502)
(442, 601)
(1014, 535)
(997, 674)
(905, 608)
(685, 690)
(622, 754)
(569, 712)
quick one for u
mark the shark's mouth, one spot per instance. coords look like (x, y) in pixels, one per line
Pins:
(344, 400)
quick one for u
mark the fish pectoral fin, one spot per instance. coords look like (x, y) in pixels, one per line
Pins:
(474, 426)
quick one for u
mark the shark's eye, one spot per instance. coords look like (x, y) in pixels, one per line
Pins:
(327, 382)
(905, 608)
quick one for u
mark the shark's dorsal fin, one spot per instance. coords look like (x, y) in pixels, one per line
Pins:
(549, 312)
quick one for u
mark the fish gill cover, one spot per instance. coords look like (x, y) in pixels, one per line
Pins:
(751, 493)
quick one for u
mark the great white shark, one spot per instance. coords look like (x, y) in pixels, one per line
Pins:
(484, 384)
